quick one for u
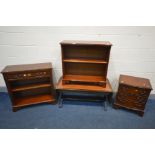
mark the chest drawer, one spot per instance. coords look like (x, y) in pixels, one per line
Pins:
(132, 97)
(130, 103)
(131, 91)
(28, 75)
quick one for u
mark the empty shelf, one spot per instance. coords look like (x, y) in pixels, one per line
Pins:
(32, 86)
(23, 101)
(86, 61)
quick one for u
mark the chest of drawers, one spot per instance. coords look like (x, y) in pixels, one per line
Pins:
(29, 84)
(133, 93)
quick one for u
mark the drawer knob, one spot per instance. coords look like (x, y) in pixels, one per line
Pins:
(24, 75)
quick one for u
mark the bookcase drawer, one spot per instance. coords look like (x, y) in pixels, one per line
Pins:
(28, 75)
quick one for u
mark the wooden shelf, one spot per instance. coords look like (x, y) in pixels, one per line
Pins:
(29, 87)
(85, 61)
(24, 101)
(85, 78)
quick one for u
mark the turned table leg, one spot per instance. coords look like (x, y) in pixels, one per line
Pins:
(105, 102)
(60, 100)
(110, 99)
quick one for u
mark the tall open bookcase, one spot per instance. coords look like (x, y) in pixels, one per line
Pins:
(85, 62)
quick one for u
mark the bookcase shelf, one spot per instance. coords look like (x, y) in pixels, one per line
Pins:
(25, 101)
(85, 61)
(29, 87)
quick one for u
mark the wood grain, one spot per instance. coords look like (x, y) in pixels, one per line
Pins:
(89, 88)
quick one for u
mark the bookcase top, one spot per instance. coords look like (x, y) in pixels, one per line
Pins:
(80, 42)
(26, 67)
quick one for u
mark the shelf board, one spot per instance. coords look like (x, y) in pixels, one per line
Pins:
(29, 87)
(85, 61)
(24, 101)
(85, 78)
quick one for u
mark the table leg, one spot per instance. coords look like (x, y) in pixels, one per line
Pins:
(106, 102)
(60, 100)
(110, 99)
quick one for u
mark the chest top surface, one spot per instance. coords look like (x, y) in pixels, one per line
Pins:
(135, 81)
(26, 67)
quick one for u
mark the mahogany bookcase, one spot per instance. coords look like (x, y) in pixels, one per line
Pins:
(84, 67)
(29, 84)
(85, 62)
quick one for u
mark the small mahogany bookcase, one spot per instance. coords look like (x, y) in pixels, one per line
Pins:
(29, 84)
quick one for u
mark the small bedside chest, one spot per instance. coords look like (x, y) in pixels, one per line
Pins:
(133, 93)
(29, 84)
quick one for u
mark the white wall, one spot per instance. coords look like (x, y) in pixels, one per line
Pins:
(133, 50)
